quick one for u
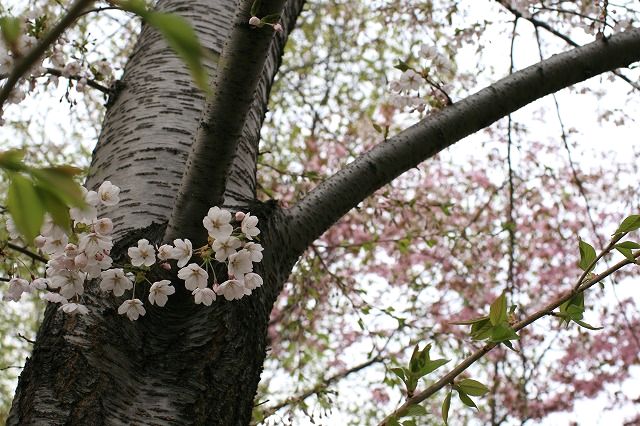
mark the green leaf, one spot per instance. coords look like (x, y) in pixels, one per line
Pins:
(587, 255)
(398, 372)
(502, 332)
(472, 387)
(471, 321)
(25, 206)
(432, 366)
(182, 38)
(274, 18)
(481, 330)
(402, 65)
(12, 160)
(61, 182)
(498, 310)
(466, 400)
(631, 223)
(255, 7)
(10, 29)
(628, 245)
(587, 325)
(445, 408)
(626, 253)
(415, 411)
(58, 210)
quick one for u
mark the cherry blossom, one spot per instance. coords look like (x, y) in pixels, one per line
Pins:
(165, 252)
(74, 308)
(224, 247)
(53, 297)
(217, 223)
(108, 193)
(103, 226)
(17, 286)
(132, 308)
(115, 280)
(144, 254)
(240, 263)
(159, 292)
(256, 251)
(231, 289)
(252, 281)
(182, 251)
(204, 296)
(193, 276)
(249, 226)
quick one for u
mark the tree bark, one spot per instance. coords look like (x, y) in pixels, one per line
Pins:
(183, 364)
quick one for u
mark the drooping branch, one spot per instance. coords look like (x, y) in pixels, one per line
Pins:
(334, 197)
(239, 69)
(29, 60)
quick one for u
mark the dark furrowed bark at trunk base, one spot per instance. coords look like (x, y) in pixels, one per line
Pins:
(183, 364)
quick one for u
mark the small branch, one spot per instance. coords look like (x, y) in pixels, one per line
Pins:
(30, 59)
(320, 387)
(26, 252)
(91, 83)
(540, 24)
(5, 279)
(21, 336)
(470, 360)
(11, 366)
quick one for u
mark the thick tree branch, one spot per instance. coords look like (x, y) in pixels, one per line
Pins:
(334, 197)
(242, 180)
(239, 70)
(29, 60)
(471, 359)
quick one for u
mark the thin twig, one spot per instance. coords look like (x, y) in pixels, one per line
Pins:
(30, 59)
(25, 251)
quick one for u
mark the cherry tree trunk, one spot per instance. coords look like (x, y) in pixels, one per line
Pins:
(183, 364)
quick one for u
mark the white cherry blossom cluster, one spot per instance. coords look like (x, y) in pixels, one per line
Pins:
(436, 68)
(85, 255)
(233, 246)
(72, 259)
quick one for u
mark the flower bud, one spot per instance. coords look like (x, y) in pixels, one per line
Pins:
(39, 241)
(165, 266)
(81, 260)
(278, 28)
(239, 216)
(255, 21)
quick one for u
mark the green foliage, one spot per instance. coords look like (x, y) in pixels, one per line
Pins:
(495, 327)
(420, 365)
(34, 191)
(631, 223)
(181, 37)
(625, 249)
(587, 255)
(573, 310)
(10, 29)
(446, 404)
